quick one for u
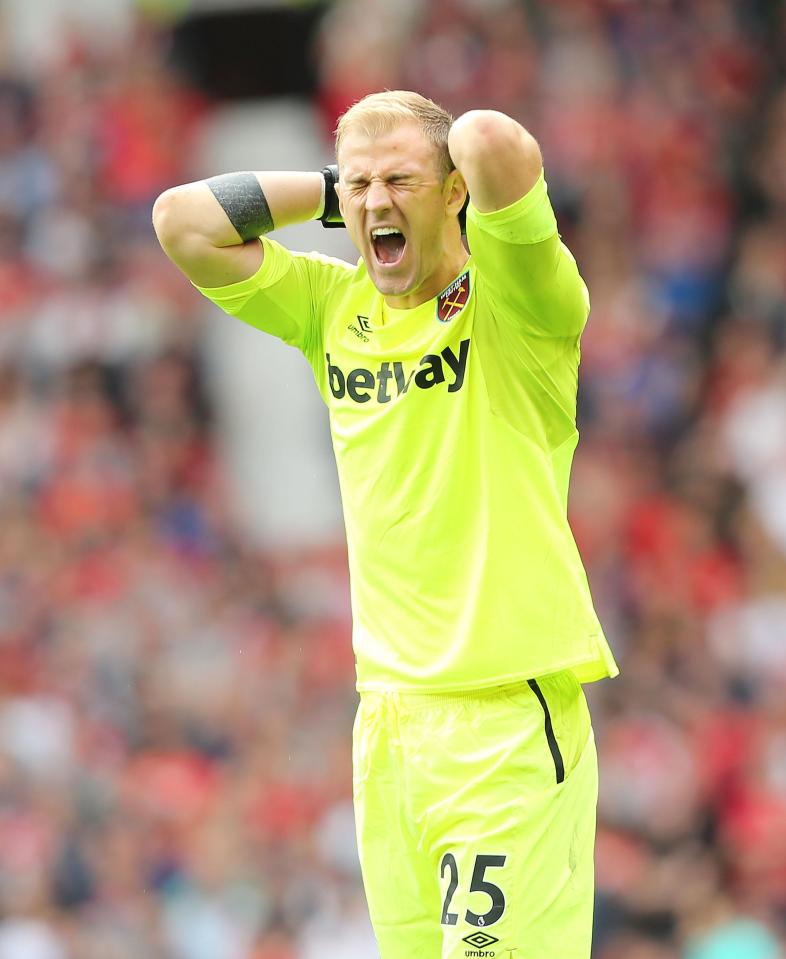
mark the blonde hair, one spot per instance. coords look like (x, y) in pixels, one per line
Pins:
(381, 112)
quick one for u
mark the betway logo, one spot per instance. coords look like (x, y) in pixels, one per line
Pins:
(391, 379)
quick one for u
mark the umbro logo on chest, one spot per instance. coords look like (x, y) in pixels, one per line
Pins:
(361, 328)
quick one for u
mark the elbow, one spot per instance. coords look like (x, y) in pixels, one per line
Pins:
(165, 216)
(484, 123)
(487, 133)
(175, 221)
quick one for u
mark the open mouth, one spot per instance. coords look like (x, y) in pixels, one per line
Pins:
(389, 244)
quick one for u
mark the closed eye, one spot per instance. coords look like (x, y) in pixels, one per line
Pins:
(401, 179)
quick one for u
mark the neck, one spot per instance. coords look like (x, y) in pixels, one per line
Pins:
(449, 268)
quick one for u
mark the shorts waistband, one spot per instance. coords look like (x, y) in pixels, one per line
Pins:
(413, 700)
(563, 682)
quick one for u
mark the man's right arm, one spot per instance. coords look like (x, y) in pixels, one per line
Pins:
(209, 228)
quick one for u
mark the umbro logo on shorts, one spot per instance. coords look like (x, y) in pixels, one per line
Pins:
(481, 941)
(362, 385)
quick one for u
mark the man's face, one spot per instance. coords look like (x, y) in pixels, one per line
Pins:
(394, 203)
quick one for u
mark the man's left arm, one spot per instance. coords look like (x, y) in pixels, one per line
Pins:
(511, 227)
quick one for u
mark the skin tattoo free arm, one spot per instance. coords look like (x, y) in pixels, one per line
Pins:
(207, 228)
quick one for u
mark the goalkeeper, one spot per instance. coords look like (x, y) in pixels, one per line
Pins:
(450, 381)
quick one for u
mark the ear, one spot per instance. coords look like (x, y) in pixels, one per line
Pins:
(455, 193)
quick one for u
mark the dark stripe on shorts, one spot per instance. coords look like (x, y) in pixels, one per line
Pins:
(556, 755)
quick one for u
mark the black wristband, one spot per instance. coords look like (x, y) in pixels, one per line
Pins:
(244, 202)
(331, 216)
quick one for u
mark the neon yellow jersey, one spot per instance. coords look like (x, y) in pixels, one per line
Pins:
(454, 429)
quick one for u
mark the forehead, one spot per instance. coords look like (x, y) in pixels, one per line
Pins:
(403, 145)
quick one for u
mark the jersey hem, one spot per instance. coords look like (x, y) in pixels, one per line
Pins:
(594, 670)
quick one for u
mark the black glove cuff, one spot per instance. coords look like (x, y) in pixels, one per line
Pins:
(331, 215)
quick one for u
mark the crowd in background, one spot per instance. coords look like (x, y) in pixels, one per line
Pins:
(176, 704)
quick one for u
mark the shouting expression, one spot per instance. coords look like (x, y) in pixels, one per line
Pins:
(400, 211)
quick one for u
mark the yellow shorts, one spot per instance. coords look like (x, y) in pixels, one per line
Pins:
(475, 817)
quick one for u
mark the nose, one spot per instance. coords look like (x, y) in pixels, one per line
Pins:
(378, 197)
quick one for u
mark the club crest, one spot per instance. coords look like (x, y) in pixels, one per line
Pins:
(452, 301)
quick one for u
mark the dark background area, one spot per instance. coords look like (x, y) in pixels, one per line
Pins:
(267, 52)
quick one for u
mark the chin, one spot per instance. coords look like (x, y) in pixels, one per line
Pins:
(391, 285)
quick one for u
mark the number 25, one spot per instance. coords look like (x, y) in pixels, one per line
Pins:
(478, 884)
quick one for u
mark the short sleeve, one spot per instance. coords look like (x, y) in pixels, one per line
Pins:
(529, 219)
(287, 295)
(530, 274)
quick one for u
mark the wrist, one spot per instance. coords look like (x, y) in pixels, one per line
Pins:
(318, 213)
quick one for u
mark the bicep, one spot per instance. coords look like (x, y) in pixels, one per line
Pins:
(212, 266)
